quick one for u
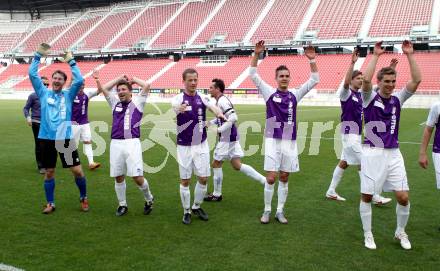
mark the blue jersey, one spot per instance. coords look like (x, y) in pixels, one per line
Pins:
(56, 107)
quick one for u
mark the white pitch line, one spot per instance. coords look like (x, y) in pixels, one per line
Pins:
(4, 267)
(423, 123)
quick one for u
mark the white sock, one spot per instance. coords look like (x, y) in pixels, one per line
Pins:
(88, 151)
(402, 213)
(120, 193)
(337, 176)
(283, 189)
(251, 172)
(365, 212)
(185, 196)
(145, 189)
(218, 179)
(268, 194)
(199, 194)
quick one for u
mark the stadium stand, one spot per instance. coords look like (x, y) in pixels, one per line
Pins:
(84, 24)
(233, 20)
(12, 32)
(277, 27)
(397, 17)
(182, 28)
(94, 28)
(48, 30)
(338, 19)
(144, 28)
(107, 29)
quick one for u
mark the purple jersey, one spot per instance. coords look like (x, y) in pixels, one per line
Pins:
(281, 105)
(191, 128)
(351, 116)
(382, 117)
(127, 117)
(281, 115)
(229, 135)
(80, 107)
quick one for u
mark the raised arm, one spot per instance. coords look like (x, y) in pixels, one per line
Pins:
(110, 84)
(78, 79)
(102, 90)
(143, 84)
(37, 83)
(369, 72)
(314, 75)
(349, 73)
(416, 76)
(262, 86)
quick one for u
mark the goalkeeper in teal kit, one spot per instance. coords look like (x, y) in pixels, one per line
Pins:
(55, 129)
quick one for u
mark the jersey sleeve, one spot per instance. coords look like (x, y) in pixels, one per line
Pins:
(344, 93)
(307, 86)
(207, 101)
(433, 115)
(176, 101)
(91, 93)
(139, 101)
(367, 97)
(265, 89)
(112, 100)
(403, 95)
(35, 79)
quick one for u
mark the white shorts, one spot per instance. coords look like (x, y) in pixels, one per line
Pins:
(382, 169)
(193, 159)
(280, 155)
(436, 162)
(351, 149)
(82, 132)
(126, 158)
(228, 150)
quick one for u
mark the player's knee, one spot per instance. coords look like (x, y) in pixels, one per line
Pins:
(184, 182)
(119, 179)
(87, 142)
(343, 164)
(366, 198)
(77, 171)
(50, 173)
(403, 199)
(216, 164)
(203, 180)
(284, 176)
(270, 179)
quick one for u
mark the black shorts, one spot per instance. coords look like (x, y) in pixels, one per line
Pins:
(67, 150)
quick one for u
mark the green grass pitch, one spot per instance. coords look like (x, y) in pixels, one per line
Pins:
(321, 234)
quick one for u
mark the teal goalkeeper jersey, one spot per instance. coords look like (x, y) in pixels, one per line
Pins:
(56, 107)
